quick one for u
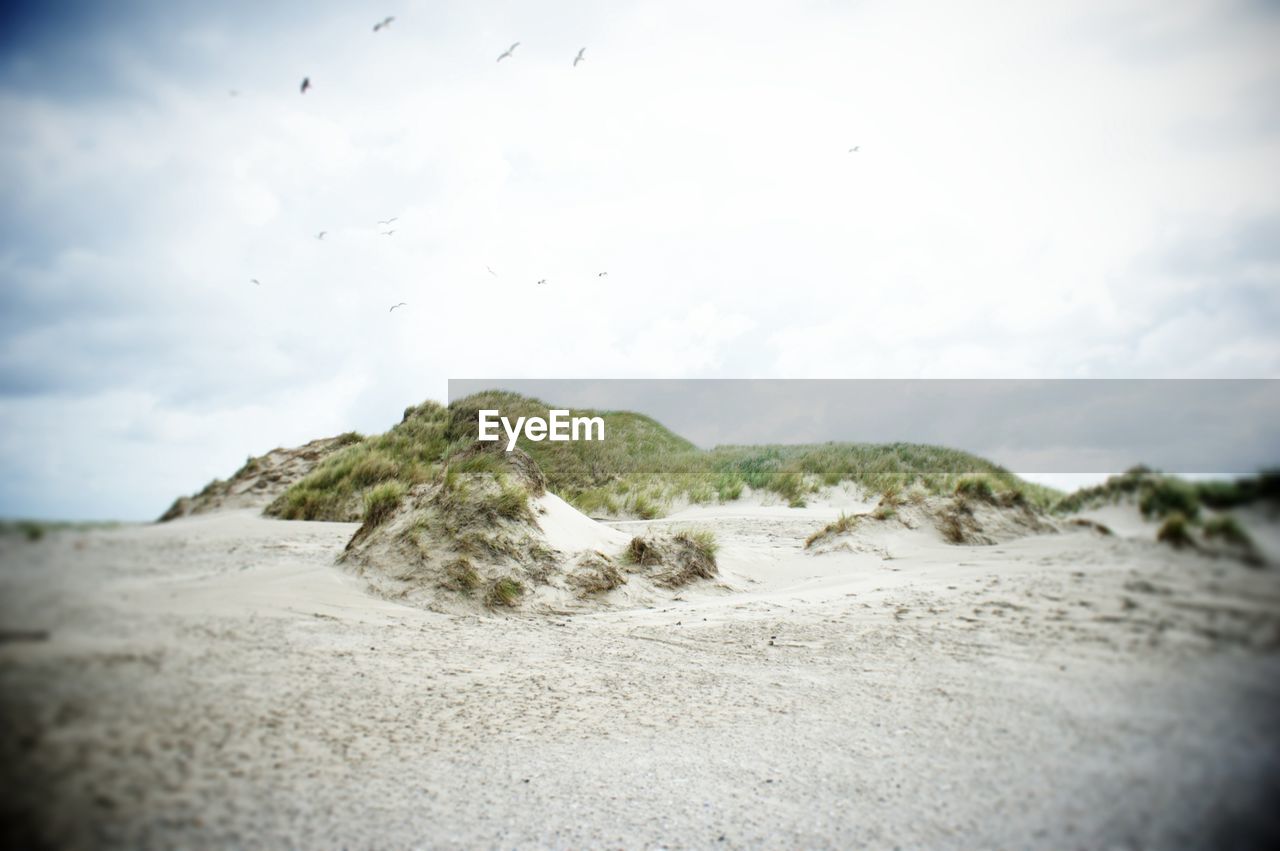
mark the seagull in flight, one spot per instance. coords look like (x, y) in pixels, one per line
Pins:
(389, 221)
(255, 281)
(855, 149)
(384, 23)
(510, 50)
(321, 234)
(491, 272)
(579, 57)
(306, 84)
(602, 274)
(388, 232)
(394, 306)
(543, 281)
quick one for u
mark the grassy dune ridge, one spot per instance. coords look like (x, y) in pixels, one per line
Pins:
(34, 530)
(641, 469)
(1184, 507)
(1158, 494)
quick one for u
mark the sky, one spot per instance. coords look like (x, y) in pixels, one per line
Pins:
(1043, 190)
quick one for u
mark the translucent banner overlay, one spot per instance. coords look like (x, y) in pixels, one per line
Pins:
(1189, 427)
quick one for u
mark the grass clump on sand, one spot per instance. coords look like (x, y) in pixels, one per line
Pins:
(380, 501)
(470, 532)
(674, 561)
(507, 500)
(641, 551)
(511, 502)
(1176, 531)
(504, 591)
(1093, 525)
(843, 523)
(460, 575)
(703, 541)
(956, 522)
(1227, 529)
(595, 574)
(470, 538)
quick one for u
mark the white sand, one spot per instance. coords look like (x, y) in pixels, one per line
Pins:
(570, 531)
(217, 682)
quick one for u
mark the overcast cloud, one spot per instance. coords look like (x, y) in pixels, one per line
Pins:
(1079, 189)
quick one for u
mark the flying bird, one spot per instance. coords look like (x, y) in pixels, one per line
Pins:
(306, 84)
(602, 274)
(510, 50)
(543, 281)
(491, 272)
(384, 23)
(394, 306)
(855, 149)
(255, 281)
(579, 57)
(388, 232)
(321, 234)
(390, 220)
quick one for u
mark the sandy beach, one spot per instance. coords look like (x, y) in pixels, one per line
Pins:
(641, 425)
(218, 682)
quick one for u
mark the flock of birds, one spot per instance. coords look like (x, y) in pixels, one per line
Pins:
(385, 224)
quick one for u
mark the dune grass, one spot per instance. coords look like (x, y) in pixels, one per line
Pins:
(1159, 495)
(1168, 496)
(409, 453)
(1183, 507)
(976, 486)
(1176, 531)
(35, 530)
(844, 523)
(1227, 529)
(460, 575)
(380, 501)
(673, 561)
(702, 540)
(505, 591)
(640, 470)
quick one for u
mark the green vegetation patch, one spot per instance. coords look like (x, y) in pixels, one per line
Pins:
(410, 453)
(673, 561)
(842, 524)
(1176, 531)
(381, 501)
(1159, 495)
(641, 469)
(35, 530)
(504, 591)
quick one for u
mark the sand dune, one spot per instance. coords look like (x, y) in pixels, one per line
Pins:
(219, 681)
(260, 480)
